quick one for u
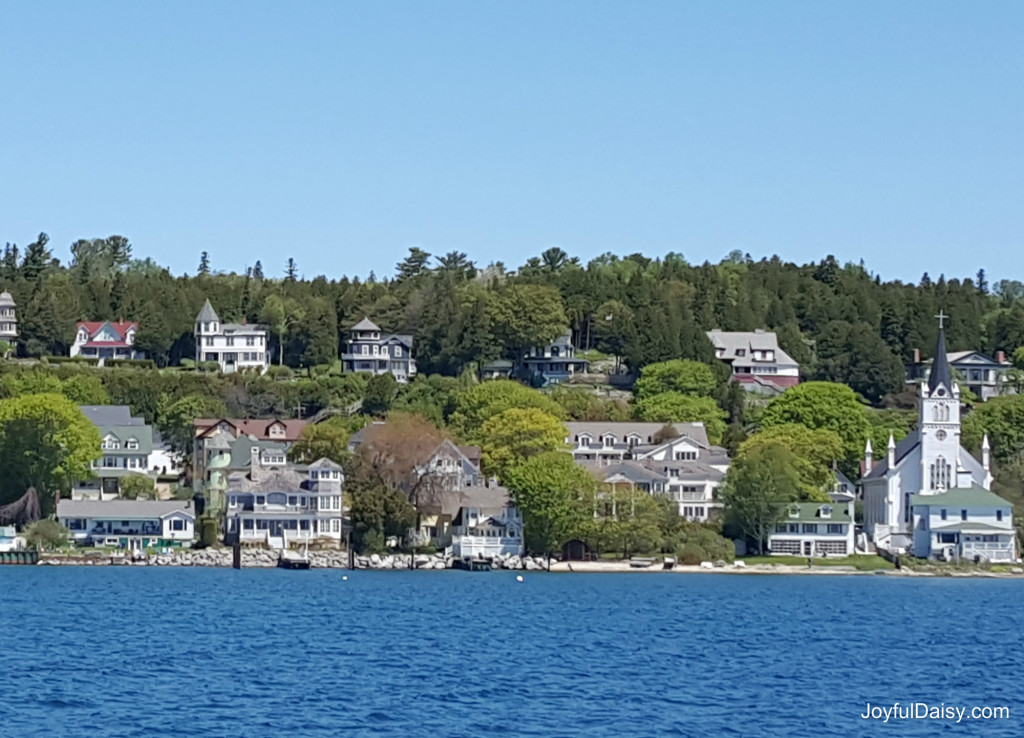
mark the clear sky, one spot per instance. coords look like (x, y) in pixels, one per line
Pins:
(341, 133)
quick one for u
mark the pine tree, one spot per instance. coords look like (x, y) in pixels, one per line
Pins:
(204, 264)
(37, 256)
(257, 271)
(291, 270)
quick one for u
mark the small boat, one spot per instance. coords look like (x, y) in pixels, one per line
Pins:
(293, 560)
(472, 564)
(639, 562)
(669, 563)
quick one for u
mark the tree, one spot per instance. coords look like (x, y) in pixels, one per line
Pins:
(257, 271)
(325, 440)
(1002, 418)
(204, 264)
(46, 443)
(555, 496)
(756, 490)
(46, 534)
(823, 405)
(37, 258)
(317, 335)
(613, 325)
(512, 437)
(673, 407)
(84, 389)
(137, 487)
(280, 315)
(381, 391)
(291, 270)
(487, 399)
(457, 264)
(528, 315)
(814, 452)
(679, 375)
(414, 265)
(378, 512)
(175, 419)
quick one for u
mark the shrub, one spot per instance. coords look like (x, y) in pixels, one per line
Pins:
(280, 372)
(137, 487)
(47, 533)
(208, 532)
(136, 363)
(691, 555)
(208, 366)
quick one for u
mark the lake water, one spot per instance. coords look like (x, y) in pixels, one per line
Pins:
(191, 652)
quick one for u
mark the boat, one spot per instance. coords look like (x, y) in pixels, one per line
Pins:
(669, 563)
(293, 560)
(639, 562)
(468, 564)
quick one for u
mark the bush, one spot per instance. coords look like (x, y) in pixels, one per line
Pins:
(280, 372)
(137, 487)
(136, 363)
(691, 555)
(208, 366)
(44, 534)
(58, 360)
(208, 531)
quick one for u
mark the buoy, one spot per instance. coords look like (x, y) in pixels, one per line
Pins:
(519, 577)
(344, 579)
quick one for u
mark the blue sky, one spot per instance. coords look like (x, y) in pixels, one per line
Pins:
(341, 133)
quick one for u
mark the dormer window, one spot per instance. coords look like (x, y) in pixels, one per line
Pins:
(794, 511)
(110, 443)
(741, 352)
(132, 444)
(609, 440)
(826, 511)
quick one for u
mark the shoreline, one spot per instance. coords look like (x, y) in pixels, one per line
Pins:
(268, 561)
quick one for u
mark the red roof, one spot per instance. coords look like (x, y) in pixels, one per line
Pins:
(121, 327)
(258, 427)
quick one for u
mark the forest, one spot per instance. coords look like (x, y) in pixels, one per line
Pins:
(839, 321)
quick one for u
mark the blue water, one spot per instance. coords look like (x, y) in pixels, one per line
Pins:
(192, 652)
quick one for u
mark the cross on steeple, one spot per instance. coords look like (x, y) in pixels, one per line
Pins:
(941, 316)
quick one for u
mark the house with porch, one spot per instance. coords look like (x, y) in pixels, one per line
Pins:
(486, 525)
(234, 347)
(983, 375)
(105, 339)
(676, 461)
(371, 351)
(814, 529)
(10, 540)
(964, 524)
(554, 363)
(126, 443)
(757, 362)
(286, 506)
(130, 524)
(272, 434)
(8, 318)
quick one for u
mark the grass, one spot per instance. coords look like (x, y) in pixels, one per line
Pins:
(861, 563)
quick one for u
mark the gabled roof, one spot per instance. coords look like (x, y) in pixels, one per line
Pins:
(110, 416)
(731, 341)
(123, 509)
(903, 447)
(694, 431)
(120, 327)
(629, 470)
(973, 496)
(366, 325)
(486, 499)
(257, 427)
(207, 314)
(974, 358)
(810, 512)
(324, 463)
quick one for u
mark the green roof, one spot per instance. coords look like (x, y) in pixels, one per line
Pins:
(810, 512)
(974, 496)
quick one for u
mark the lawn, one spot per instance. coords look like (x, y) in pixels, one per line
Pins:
(861, 563)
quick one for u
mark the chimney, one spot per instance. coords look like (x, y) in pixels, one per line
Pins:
(1001, 357)
(917, 356)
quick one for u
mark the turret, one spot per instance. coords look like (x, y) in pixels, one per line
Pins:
(986, 454)
(869, 457)
(891, 456)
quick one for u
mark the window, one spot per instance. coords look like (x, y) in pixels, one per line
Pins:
(261, 500)
(686, 455)
(963, 515)
(177, 524)
(793, 528)
(233, 501)
(110, 443)
(276, 498)
(231, 341)
(209, 340)
(999, 515)
(398, 351)
(336, 525)
(250, 341)
(246, 525)
(942, 514)
(835, 528)
(947, 537)
(810, 527)
(939, 474)
(741, 352)
(303, 524)
(826, 511)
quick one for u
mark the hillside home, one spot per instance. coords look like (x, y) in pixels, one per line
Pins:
(10, 540)
(126, 443)
(554, 363)
(814, 529)
(131, 524)
(232, 346)
(272, 430)
(486, 525)
(106, 339)
(984, 376)
(8, 318)
(756, 361)
(637, 456)
(370, 351)
(285, 506)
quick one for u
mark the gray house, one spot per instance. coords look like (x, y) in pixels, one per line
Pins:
(553, 363)
(982, 375)
(373, 352)
(126, 444)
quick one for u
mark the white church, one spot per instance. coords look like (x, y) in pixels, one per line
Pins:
(929, 496)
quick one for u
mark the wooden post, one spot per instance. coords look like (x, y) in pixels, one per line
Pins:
(236, 555)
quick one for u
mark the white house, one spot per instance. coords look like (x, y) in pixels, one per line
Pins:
(630, 456)
(905, 495)
(757, 362)
(126, 444)
(106, 339)
(8, 318)
(233, 346)
(483, 529)
(10, 540)
(282, 507)
(814, 529)
(132, 524)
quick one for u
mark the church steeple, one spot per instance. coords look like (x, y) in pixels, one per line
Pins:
(939, 423)
(940, 375)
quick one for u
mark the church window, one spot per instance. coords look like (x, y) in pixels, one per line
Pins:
(939, 474)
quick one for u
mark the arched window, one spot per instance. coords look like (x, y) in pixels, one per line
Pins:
(939, 473)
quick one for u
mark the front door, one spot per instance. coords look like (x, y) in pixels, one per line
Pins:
(807, 548)
(275, 528)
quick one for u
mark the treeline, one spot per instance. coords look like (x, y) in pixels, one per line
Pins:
(841, 323)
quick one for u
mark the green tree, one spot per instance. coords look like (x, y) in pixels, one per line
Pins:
(46, 443)
(528, 315)
(756, 490)
(175, 419)
(512, 437)
(204, 264)
(381, 391)
(1002, 418)
(378, 512)
(487, 399)
(555, 496)
(673, 407)
(137, 487)
(814, 452)
(321, 441)
(825, 405)
(85, 389)
(414, 265)
(678, 375)
(46, 535)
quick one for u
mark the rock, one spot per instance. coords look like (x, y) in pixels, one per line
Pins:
(720, 564)
(531, 565)
(739, 565)
(706, 565)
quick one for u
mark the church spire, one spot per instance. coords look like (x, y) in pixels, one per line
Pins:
(940, 375)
